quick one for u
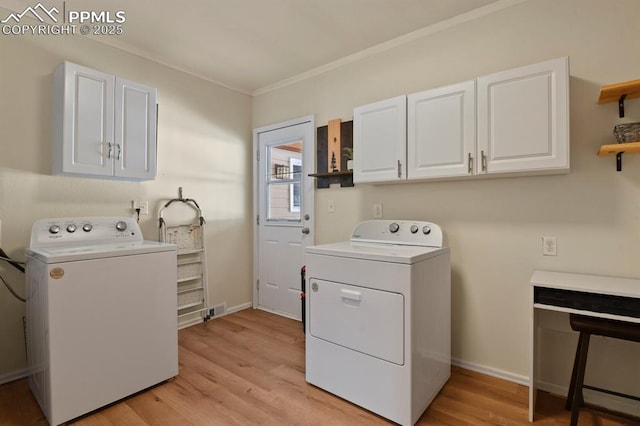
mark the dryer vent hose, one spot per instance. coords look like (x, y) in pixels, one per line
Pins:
(18, 266)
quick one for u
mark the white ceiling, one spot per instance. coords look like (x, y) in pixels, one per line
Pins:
(250, 45)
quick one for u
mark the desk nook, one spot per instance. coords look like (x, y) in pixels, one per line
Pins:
(597, 305)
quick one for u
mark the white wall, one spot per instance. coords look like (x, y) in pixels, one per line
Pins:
(494, 226)
(204, 144)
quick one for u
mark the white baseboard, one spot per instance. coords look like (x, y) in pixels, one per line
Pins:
(13, 376)
(596, 398)
(490, 371)
(200, 320)
(282, 314)
(237, 308)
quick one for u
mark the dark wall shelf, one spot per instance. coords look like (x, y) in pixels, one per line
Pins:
(324, 178)
(347, 173)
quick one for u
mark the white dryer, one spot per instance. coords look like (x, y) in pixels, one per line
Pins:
(101, 313)
(379, 317)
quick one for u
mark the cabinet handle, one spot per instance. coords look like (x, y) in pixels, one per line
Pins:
(484, 161)
(109, 151)
(119, 151)
(399, 169)
(470, 164)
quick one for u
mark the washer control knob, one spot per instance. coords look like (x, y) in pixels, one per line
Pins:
(121, 226)
(394, 227)
(426, 230)
(87, 227)
(414, 229)
(54, 229)
(71, 228)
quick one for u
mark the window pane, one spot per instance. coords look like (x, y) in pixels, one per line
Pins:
(284, 176)
(280, 202)
(279, 160)
(294, 188)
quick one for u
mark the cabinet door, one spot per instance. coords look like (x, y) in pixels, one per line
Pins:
(441, 131)
(135, 130)
(379, 141)
(523, 118)
(83, 121)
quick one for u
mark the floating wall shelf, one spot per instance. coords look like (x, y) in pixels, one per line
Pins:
(619, 92)
(616, 148)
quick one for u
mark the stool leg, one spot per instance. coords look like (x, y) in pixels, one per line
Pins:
(577, 391)
(574, 372)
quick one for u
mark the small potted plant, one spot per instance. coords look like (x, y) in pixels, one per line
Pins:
(348, 154)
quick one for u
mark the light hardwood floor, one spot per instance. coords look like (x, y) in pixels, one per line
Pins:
(248, 368)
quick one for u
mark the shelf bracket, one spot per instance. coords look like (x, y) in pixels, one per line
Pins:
(619, 161)
(621, 105)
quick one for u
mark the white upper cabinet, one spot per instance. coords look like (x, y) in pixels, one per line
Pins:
(523, 119)
(514, 121)
(441, 131)
(82, 120)
(103, 126)
(379, 141)
(135, 130)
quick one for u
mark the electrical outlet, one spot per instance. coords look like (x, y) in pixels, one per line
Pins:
(142, 205)
(377, 211)
(549, 246)
(331, 206)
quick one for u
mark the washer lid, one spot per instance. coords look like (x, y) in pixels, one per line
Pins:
(378, 252)
(98, 251)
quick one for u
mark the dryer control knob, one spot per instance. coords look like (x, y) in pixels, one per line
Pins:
(394, 227)
(71, 228)
(54, 229)
(414, 229)
(121, 226)
(87, 227)
(426, 230)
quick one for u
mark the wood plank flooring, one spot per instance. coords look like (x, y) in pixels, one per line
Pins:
(248, 368)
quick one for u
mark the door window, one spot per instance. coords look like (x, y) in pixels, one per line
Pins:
(284, 176)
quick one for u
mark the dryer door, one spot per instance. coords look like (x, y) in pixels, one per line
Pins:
(359, 318)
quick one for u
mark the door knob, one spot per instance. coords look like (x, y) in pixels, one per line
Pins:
(305, 230)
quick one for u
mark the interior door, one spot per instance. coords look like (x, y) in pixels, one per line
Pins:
(284, 213)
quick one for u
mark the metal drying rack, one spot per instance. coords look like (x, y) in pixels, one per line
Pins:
(192, 267)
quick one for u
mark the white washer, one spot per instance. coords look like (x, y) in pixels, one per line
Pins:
(101, 313)
(379, 317)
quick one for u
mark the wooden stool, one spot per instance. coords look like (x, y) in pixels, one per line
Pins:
(599, 327)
